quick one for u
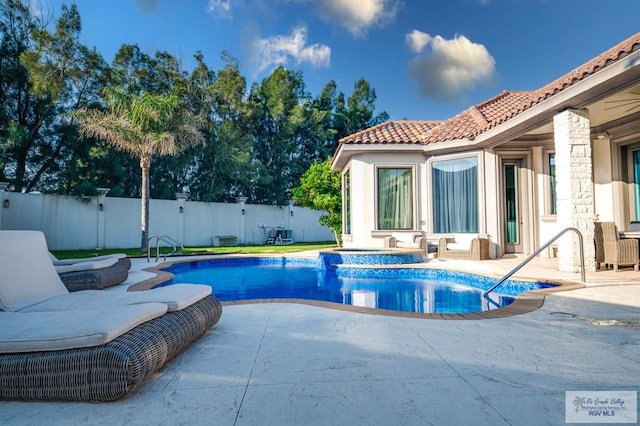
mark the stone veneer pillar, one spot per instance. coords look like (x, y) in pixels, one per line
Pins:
(574, 187)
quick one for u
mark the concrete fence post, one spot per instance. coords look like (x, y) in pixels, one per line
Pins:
(3, 187)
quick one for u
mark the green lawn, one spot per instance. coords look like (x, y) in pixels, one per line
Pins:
(191, 251)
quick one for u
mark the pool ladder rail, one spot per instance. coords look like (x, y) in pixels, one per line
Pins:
(177, 248)
(537, 252)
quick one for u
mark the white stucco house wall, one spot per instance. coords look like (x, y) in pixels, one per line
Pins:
(516, 169)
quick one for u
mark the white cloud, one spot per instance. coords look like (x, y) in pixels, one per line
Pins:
(358, 15)
(279, 50)
(451, 67)
(417, 40)
(220, 8)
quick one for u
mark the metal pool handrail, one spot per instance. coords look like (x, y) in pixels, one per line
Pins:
(535, 253)
(167, 239)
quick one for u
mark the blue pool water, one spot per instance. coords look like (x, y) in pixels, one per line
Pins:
(400, 289)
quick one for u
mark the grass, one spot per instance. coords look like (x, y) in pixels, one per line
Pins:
(192, 251)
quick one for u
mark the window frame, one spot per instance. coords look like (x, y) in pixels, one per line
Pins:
(347, 184)
(548, 182)
(481, 185)
(414, 211)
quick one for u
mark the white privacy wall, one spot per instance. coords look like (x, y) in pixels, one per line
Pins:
(71, 223)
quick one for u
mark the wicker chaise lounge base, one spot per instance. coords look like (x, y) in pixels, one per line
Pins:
(97, 279)
(110, 371)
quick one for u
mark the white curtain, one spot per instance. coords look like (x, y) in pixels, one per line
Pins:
(455, 195)
(395, 199)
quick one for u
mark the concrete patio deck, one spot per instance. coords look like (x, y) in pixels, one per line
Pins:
(290, 364)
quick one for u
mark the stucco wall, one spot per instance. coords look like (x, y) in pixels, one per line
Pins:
(70, 223)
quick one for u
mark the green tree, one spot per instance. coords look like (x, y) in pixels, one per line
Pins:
(277, 112)
(320, 189)
(223, 168)
(45, 75)
(359, 111)
(143, 125)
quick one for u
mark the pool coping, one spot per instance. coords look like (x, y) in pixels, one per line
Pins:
(524, 303)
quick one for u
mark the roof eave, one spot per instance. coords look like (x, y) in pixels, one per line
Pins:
(345, 151)
(624, 73)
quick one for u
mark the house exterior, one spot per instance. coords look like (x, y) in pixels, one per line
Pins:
(516, 169)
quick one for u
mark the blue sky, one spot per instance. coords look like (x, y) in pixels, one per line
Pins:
(426, 59)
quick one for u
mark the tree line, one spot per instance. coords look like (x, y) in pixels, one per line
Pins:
(257, 140)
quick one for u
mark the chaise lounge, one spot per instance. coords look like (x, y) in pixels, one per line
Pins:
(87, 345)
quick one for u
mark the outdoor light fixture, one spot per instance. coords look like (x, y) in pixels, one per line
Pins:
(243, 212)
(6, 204)
(291, 213)
(181, 209)
(101, 207)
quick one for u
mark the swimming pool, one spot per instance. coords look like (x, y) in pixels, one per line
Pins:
(419, 290)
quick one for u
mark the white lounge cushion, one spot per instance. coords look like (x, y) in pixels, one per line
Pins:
(176, 297)
(27, 275)
(58, 262)
(49, 331)
(86, 265)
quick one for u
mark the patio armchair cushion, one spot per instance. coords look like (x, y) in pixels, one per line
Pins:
(52, 331)
(406, 240)
(461, 242)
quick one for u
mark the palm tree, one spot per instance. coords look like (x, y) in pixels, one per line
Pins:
(143, 125)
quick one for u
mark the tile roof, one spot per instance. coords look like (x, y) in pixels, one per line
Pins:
(400, 132)
(490, 113)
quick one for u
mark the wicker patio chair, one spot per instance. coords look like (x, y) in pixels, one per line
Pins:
(479, 250)
(611, 250)
(402, 240)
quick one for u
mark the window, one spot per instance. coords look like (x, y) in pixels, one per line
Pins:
(346, 199)
(553, 209)
(455, 195)
(395, 198)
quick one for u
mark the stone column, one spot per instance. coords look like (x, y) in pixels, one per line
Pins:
(242, 225)
(180, 198)
(574, 187)
(3, 187)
